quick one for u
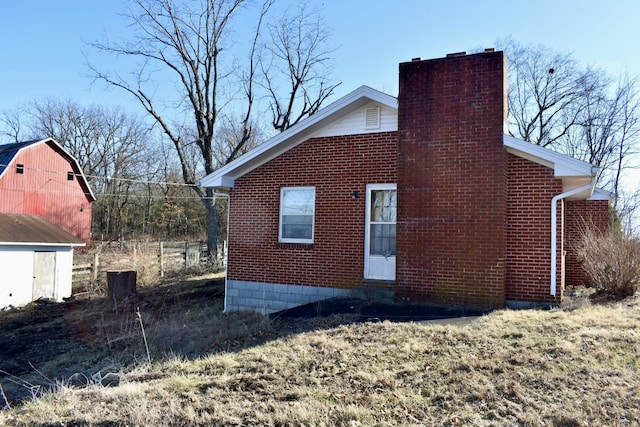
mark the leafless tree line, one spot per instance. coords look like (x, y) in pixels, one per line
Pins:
(227, 60)
(137, 182)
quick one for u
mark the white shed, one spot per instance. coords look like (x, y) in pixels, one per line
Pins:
(36, 260)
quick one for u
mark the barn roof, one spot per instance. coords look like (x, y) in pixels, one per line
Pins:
(9, 151)
(29, 230)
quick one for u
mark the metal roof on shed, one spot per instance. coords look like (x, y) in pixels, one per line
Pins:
(29, 230)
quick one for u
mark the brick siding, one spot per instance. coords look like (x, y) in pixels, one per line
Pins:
(530, 189)
(336, 166)
(452, 180)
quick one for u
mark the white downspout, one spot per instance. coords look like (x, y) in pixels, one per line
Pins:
(224, 307)
(554, 228)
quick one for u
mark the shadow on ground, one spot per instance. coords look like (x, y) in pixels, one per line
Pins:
(370, 310)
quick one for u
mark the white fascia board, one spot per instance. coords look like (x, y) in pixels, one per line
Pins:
(60, 245)
(225, 176)
(563, 165)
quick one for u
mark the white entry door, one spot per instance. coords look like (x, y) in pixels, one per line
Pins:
(380, 234)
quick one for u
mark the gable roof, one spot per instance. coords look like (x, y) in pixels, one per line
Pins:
(8, 153)
(573, 173)
(295, 135)
(29, 230)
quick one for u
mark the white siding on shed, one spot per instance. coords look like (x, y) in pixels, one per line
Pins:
(16, 280)
(16, 273)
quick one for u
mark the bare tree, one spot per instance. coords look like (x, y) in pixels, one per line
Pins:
(606, 133)
(298, 53)
(12, 125)
(581, 111)
(547, 92)
(110, 145)
(187, 39)
(192, 41)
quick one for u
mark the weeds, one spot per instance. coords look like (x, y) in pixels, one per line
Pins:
(4, 397)
(144, 335)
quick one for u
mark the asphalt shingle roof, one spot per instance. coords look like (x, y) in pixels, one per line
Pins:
(23, 229)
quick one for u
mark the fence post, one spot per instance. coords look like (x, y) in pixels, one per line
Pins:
(161, 259)
(186, 254)
(94, 267)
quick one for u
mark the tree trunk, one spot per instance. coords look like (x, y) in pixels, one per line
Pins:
(212, 225)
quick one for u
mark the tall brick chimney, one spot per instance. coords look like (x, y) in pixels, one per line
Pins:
(452, 186)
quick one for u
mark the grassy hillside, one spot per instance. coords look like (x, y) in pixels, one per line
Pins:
(565, 368)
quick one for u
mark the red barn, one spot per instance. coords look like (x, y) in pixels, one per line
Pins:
(41, 178)
(424, 196)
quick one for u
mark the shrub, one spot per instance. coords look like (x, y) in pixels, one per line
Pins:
(612, 261)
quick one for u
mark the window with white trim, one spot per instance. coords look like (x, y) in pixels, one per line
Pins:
(297, 208)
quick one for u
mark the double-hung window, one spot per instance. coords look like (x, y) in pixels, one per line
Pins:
(297, 208)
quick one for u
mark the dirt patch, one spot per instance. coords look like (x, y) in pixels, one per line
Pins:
(43, 342)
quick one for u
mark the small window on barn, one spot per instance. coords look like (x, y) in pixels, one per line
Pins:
(20, 168)
(297, 208)
(69, 176)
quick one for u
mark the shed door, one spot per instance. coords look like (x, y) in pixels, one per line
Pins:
(44, 275)
(380, 235)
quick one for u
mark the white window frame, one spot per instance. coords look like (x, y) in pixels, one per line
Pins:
(282, 239)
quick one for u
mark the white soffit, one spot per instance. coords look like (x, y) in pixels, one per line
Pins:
(563, 165)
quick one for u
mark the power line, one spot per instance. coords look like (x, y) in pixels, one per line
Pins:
(129, 195)
(108, 178)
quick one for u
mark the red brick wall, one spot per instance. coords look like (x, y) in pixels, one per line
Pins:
(452, 209)
(43, 189)
(579, 215)
(530, 190)
(336, 166)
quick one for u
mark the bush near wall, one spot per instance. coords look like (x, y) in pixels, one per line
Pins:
(612, 261)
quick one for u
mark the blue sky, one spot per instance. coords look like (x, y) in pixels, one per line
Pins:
(42, 41)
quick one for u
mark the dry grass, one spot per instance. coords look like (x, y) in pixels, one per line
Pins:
(576, 367)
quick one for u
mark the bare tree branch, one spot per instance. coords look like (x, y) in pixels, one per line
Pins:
(554, 102)
(299, 54)
(192, 42)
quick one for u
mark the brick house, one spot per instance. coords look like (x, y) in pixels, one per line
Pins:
(423, 196)
(41, 178)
